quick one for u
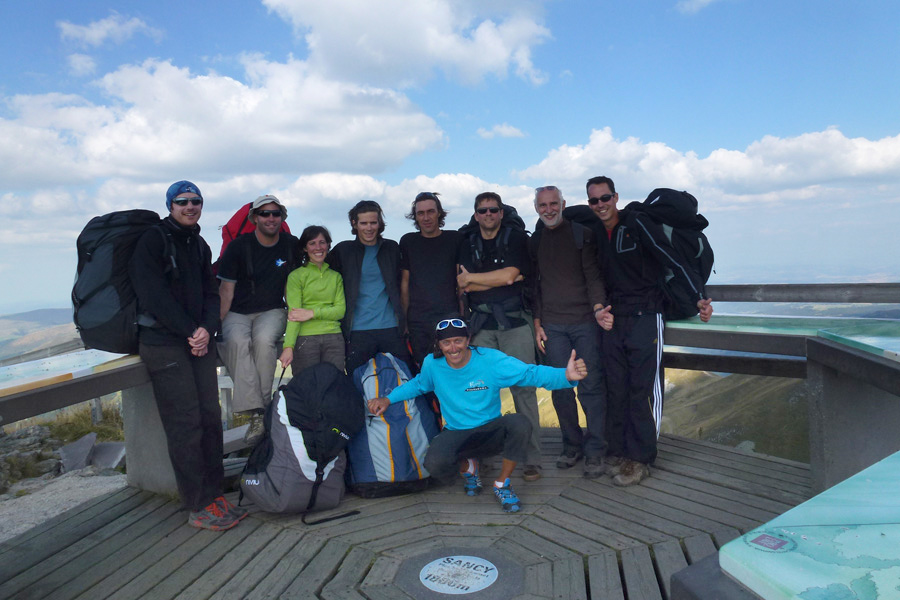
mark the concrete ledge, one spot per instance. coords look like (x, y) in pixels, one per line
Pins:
(704, 580)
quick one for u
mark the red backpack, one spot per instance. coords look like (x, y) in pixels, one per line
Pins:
(239, 224)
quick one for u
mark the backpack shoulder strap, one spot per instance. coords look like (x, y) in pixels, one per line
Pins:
(503, 242)
(476, 246)
(578, 233)
(168, 252)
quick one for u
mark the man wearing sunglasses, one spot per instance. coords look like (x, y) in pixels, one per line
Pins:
(569, 307)
(493, 262)
(179, 303)
(467, 381)
(634, 252)
(252, 275)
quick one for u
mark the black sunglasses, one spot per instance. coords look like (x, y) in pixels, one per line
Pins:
(268, 213)
(184, 201)
(493, 210)
(426, 196)
(603, 198)
(546, 188)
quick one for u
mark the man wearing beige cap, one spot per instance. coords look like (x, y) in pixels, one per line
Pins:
(252, 275)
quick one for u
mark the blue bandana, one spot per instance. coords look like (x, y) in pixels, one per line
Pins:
(180, 187)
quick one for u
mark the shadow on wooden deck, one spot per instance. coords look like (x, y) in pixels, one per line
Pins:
(575, 538)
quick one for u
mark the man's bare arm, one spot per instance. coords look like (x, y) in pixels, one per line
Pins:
(226, 295)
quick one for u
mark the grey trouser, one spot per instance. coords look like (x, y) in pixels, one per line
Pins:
(314, 349)
(582, 337)
(518, 342)
(506, 436)
(250, 352)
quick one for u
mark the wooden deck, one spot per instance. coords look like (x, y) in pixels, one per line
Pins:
(574, 539)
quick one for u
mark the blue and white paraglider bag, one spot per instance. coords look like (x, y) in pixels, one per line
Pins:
(387, 456)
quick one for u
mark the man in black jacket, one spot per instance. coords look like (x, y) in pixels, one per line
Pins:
(634, 251)
(179, 302)
(370, 267)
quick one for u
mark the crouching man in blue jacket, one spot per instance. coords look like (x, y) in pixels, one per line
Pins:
(467, 381)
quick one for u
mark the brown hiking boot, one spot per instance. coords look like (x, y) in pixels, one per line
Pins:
(531, 472)
(613, 465)
(632, 473)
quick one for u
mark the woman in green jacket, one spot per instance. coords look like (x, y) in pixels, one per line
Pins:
(315, 299)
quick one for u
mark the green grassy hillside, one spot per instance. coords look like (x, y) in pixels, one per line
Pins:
(765, 414)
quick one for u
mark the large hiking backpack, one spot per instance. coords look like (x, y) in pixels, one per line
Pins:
(683, 226)
(386, 457)
(104, 304)
(299, 464)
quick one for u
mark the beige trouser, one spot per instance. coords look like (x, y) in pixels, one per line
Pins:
(250, 352)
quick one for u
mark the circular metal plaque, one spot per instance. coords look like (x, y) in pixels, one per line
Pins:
(458, 574)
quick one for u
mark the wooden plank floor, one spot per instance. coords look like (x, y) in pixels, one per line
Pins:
(573, 539)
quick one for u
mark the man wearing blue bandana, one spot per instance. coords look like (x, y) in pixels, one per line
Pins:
(252, 274)
(467, 381)
(179, 306)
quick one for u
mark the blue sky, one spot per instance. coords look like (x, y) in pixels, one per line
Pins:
(783, 118)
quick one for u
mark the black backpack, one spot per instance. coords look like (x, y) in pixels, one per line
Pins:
(299, 464)
(581, 216)
(104, 305)
(683, 226)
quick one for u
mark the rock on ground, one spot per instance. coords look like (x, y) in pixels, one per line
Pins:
(30, 502)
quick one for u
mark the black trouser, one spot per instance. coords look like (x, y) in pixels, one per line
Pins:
(421, 339)
(187, 395)
(363, 345)
(507, 436)
(632, 358)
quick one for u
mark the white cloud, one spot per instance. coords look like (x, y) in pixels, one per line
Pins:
(770, 170)
(397, 42)
(115, 28)
(503, 130)
(692, 6)
(81, 64)
(163, 120)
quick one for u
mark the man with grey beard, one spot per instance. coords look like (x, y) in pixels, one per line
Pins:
(569, 306)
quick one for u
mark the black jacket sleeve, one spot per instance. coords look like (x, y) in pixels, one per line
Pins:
(153, 287)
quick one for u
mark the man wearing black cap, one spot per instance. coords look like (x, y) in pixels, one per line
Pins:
(467, 381)
(252, 273)
(180, 316)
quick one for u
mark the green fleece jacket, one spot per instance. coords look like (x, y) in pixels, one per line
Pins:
(322, 291)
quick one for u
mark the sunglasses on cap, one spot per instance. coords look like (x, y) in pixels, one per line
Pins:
(483, 211)
(184, 201)
(603, 198)
(458, 323)
(268, 213)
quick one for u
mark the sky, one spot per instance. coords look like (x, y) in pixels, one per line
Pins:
(782, 118)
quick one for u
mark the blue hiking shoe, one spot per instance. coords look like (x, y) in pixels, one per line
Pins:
(507, 497)
(472, 485)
